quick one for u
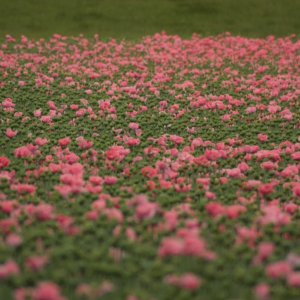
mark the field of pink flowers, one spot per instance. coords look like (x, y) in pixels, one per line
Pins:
(160, 169)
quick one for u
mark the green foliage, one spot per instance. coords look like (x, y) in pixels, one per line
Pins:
(132, 19)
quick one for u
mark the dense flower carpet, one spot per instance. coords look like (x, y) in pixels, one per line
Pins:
(158, 169)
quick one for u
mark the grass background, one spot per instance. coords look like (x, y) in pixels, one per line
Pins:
(132, 19)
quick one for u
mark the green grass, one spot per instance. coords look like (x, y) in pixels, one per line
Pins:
(132, 19)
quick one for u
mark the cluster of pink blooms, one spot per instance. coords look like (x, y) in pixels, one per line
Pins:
(43, 291)
(186, 242)
(186, 281)
(285, 269)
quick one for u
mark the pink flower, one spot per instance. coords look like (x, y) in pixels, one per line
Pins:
(269, 165)
(74, 106)
(274, 215)
(262, 137)
(293, 279)
(290, 208)
(210, 195)
(64, 142)
(280, 269)
(22, 294)
(114, 214)
(193, 246)
(37, 113)
(266, 189)
(4, 162)
(110, 180)
(24, 188)
(234, 211)
(262, 291)
(171, 219)
(43, 212)
(8, 103)
(27, 151)
(296, 156)
(10, 133)
(92, 215)
(131, 141)
(81, 112)
(250, 109)
(83, 143)
(8, 269)
(149, 172)
(286, 114)
(244, 167)
(47, 291)
(117, 153)
(99, 205)
(215, 209)
(226, 117)
(51, 105)
(13, 240)
(212, 155)
(133, 126)
(36, 263)
(296, 189)
(146, 210)
(46, 119)
(289, 171)
(265, 249)
(234, 173)
(170, 247)
(130, 233)
(248, 235)
(187, 281)
(71, 158)
(41, 142)
(96, 180)
(176, 139)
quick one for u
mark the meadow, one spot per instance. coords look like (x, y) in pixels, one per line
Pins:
(152, 170)
(139, 164)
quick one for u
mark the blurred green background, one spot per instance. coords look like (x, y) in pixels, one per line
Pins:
(132, 19)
